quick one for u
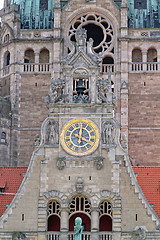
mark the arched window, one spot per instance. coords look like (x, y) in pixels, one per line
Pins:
(105, 216)
(29, 56)
(152, 55)
(3, 137)
(108, 64)
(44, 56)
(53, 213)
(6, 38)
(136, 55)
(7, 59)
(80, 206)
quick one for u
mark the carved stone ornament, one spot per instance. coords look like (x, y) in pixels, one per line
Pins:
(139, 234)
(61, 163)
(52, 132)
(99, 162)
(18, 236)
(104, 89)
(79, 185)
(105, 193)
(51, 194)
(37, 140)
(108, 133)
(123, 141)
(56, 92)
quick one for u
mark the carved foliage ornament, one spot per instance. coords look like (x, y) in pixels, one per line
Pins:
(18, 236)
(139, 234)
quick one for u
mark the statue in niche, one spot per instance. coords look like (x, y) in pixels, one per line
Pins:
(78, 228)
(108, 133)
(52, 132)
(61, 163)
(79, 185)
(37, 140)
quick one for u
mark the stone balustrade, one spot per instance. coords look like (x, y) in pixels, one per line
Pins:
(144, 67)
(85, 236)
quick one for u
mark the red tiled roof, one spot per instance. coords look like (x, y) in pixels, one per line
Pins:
(149, 181)
(10, 181)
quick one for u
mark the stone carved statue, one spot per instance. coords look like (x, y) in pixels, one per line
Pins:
(56, 92)
(37, 140)
(99, 162)
(52, 132)
(108, 133)
(78, 228)
(139, 234)
(81, 37)
(61, 163)
(79, 185)
(104, 87)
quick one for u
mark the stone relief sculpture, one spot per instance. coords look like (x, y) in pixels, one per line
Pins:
(104, 89)
(79, 185)
(52, 194)
(139, 234)
(108, 133)
(18, 236)
(52, 132)
(56, 92)
(61, 163)
(99, 162)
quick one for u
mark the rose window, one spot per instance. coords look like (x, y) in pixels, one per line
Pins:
(98, 27)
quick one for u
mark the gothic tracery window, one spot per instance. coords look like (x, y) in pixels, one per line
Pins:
(98, 27)
(105, 216)
(81, 204)
(53, 213)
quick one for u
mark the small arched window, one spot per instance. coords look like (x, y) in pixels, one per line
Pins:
(152, 55)
(6, 38)
(29, 56)
(136, 55)
(53, 213)
(3, 137)
(44, 56)
(105, 216)
(7, 59)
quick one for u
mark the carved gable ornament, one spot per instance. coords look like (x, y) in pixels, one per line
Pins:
(52, 194)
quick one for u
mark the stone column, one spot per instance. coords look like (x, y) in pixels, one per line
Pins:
(64, 223)
(94, 223)
(144, 59)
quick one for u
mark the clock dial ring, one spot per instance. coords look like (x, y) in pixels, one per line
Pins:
(80, 137)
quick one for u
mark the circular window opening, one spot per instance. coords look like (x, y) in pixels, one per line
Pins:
(95, 32)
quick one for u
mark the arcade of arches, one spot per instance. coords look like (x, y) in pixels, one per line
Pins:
(79, 206)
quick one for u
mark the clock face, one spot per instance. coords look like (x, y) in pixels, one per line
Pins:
(80, 137)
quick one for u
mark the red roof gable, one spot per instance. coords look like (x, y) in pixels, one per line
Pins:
(10, 181)
(149, 181)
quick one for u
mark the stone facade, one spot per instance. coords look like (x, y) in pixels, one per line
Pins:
(74, 104)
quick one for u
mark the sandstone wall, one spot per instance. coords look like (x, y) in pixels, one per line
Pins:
(144, 118)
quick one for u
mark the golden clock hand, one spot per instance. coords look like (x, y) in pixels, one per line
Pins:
(84, 139)
(80, 134)
(79, 140)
